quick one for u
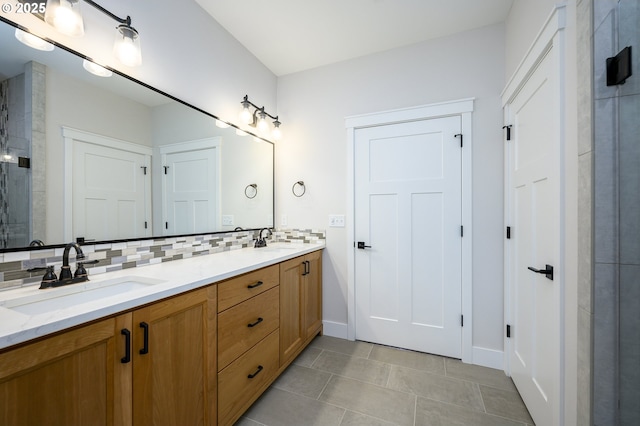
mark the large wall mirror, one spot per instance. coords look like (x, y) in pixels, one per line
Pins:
(109, 158)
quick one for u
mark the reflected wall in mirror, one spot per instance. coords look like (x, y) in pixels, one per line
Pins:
(83, 156)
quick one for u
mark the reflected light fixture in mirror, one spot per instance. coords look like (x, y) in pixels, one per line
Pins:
(258, 118)
(33, 41)
(65, 16)
(221, 124)
(96, 69)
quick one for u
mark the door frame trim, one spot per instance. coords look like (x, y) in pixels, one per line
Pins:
(462, 108)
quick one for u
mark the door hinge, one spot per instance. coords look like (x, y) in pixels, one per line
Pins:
(144, 169)
(508, 331)
(460, 135)
(461, 320)
(166, 225)
(461, 231)
(145, 225)
(165, 169)
(508, 232)
(508, 127)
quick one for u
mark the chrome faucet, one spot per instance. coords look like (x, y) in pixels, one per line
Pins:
(261, 242)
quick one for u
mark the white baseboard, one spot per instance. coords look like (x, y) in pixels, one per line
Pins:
(335, 329)
(488, 358)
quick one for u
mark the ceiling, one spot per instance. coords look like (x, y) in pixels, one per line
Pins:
(295, 35)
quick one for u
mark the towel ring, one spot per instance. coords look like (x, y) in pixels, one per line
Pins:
(248, 192)
(299, 194)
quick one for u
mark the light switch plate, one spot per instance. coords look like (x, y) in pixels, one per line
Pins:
(336, 220)
(227, 220)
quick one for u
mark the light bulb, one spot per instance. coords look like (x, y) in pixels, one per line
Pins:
(33, 41)
(127, 46)
(262, 122)
(245, 114)
(277, 133)
(65, 16)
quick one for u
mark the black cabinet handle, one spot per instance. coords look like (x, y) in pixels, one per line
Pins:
(548, 271)
(258, 284)
(308, 267)
(145, 345)
(253, 324)
(127, 346)
(251, 376)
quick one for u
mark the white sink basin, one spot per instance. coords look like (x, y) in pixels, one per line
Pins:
(49, 300)
(278, 247)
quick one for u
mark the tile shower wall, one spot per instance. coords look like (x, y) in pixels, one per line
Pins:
(132, 254)
(616, 321)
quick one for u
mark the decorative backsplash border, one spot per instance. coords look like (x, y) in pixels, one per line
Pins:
(132, 254)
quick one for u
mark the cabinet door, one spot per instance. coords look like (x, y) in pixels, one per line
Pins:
(313, 293)
(292, 330)
(67, 379)
(174, 355)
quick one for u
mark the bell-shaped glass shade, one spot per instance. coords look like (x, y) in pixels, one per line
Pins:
(33, 41)
(96, 69)
(127, 46)
(65, 16)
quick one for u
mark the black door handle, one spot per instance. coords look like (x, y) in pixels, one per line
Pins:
(548, 271)
(127, 346)
(145, 347)
(362, 246)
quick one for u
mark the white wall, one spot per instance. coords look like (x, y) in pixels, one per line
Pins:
(315, 104)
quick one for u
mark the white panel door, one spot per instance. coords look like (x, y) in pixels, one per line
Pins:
(190, 199)
(110, 193)
(408, 209)
(534, 204)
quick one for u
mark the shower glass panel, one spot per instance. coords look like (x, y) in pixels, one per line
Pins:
(629, 184)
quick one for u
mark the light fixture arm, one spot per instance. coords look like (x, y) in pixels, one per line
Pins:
(126, 20)
(245, 102)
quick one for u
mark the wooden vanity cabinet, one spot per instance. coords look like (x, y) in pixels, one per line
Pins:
(86, 376)
(300, 304)
(174, 379)
(67, 379)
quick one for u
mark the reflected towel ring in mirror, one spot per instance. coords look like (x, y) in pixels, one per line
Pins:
(299, 193)
(251, 190)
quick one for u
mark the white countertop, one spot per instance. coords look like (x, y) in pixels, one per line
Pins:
(169, 278)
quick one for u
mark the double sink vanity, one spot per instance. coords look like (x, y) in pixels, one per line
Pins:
(189, 342)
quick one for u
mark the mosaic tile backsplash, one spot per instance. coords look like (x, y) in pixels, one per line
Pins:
(133, 254)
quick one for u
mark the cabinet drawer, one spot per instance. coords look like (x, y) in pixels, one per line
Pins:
(239, 382)
(244, 325)
(236, 290)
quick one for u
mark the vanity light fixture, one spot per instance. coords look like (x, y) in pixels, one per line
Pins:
(258, 118)
(96, 69)
(66, 17)
(33, 41)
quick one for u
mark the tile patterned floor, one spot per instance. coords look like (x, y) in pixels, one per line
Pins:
(338, 382)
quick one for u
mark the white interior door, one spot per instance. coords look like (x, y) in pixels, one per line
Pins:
(191, 181)
(111, 196)
(408, 209)
(533, 167)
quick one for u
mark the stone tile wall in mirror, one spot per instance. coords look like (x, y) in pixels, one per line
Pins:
(111, 159)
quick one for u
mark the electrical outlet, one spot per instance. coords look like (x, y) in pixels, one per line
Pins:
(227, 220)
(336, 220)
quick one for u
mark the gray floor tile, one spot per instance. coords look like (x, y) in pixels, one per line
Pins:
(359, 349)
(302, 381)
(436, 387)
(406, 358)
(282, 408)
(307, 357)
(352, 418)
(243, 421)
(362, 369)
(376, 401)
(482, 375)
(505, 404)
(434, 413)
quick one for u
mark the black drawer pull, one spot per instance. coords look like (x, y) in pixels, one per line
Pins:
(258, 284)
(127, 346)
(145, 347)
(253, 324)
(251, 376)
